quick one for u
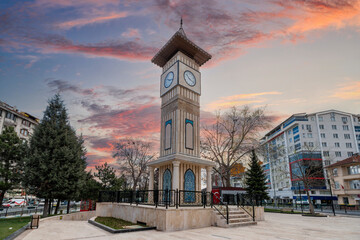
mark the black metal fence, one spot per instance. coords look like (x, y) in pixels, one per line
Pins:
(164, 198)
(182, 198)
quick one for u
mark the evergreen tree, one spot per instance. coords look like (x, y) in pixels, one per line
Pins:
(256, 180)
(108, 179)
(12, 154)
(56, 164)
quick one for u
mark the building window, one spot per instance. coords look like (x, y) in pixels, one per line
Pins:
(324, 144)
(327, 162)
(11, 116)
(321, 127)
(322, 135)
(348, 145)
(189, 134)
(354, 184)
(321, 119)
(344, 119)
(24, 132)
(345, 127)
(358, 137)
(346, 200)
(308, 127)
(295, 129)
(168, 131)
(338, 154)
(333, 127)
(347, 136)
(353, 170)
(297, 147)
(296, 138)
(337, 185)
(335, 135)
(350, 154)
(311, 144)
(312, 118)
(326, 154)
(309, 135)
(335, 172)
(337, 144)
(332, 118)
(26, 123)
(302, 126)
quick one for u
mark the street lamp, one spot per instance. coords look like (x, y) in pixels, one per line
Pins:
(332, 201)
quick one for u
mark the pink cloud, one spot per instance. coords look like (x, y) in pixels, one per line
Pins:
(131, 33)
(92, 20)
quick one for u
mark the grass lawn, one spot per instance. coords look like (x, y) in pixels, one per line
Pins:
(13, 223)
(280, 211)
(114, 223)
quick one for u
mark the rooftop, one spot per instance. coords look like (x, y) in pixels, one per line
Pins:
(348, 161)
(180, 42)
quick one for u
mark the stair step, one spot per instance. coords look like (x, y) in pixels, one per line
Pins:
(238, 216)
(242, 224)
(240, 220)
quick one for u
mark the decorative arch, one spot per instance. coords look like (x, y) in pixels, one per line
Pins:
(189, 186)
(167, 179)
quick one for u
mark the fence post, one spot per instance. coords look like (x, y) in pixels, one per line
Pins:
(166, 198)
(176, 198)
(156, 197)
(211, 200)
(237, 199)
(131, 197)
(227, 213)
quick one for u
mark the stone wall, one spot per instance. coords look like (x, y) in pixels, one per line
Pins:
(79, 216)
(259, 212)
(162, 219)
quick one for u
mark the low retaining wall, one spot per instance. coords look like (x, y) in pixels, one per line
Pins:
(162, 219)
(259, 212)
(79, 216)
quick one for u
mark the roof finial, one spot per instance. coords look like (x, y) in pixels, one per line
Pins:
(181, 22)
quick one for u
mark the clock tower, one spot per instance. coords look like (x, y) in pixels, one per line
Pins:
(180, 89)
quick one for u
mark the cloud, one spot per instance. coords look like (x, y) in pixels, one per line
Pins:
(31, 58)
(92, 20)
(131, 33)
(348, 91)
(239, 99)
(62, 86)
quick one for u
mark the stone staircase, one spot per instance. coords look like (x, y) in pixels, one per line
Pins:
(237, 218)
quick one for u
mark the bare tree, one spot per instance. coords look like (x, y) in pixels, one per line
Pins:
(307, 171)
(133, 156)
(229, 140)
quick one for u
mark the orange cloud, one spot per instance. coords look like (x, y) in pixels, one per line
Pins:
(349, 91)
(85, 21)
(239, 99)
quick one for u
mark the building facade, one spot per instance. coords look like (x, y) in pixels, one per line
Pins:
(22, 122)
(308, 141)
(345, 180)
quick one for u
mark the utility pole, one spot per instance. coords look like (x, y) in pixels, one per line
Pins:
(332, 201)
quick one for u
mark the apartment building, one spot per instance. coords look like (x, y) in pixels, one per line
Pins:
(345, 178)
(316, 139)
(22, 122)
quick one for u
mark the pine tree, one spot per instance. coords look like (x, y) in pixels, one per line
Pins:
(12, 154)
(256, 180)
(56, 164)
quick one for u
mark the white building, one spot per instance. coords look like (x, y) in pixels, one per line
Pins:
(22, 122)
(328, 136)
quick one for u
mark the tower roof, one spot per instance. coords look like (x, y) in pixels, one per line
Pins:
(180, 42)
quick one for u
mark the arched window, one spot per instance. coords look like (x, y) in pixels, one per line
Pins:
(167, 180)
(189, 134)
(168, 134)
(189, 186)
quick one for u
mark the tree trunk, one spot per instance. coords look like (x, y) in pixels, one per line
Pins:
(50, 205)
(57, 206)
(227, 178)
(311, 206)
(46, 207)
(68, 207)
(2, 194)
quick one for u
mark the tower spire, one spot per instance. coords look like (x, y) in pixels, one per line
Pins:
(181, 30)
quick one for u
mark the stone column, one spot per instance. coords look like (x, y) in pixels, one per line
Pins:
(175, 179)
(208, 179)
(151, 185)
(151, 178)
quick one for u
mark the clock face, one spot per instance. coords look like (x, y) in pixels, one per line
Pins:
(168, 79)
(189, 78)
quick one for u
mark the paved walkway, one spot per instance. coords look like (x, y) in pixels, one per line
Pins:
(276, 226)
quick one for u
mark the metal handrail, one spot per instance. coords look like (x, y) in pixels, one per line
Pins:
(227, 207)
(252, 204)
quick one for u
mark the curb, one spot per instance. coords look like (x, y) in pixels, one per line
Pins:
(111, 230)
(17, 232)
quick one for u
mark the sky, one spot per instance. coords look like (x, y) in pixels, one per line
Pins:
(289, 56)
